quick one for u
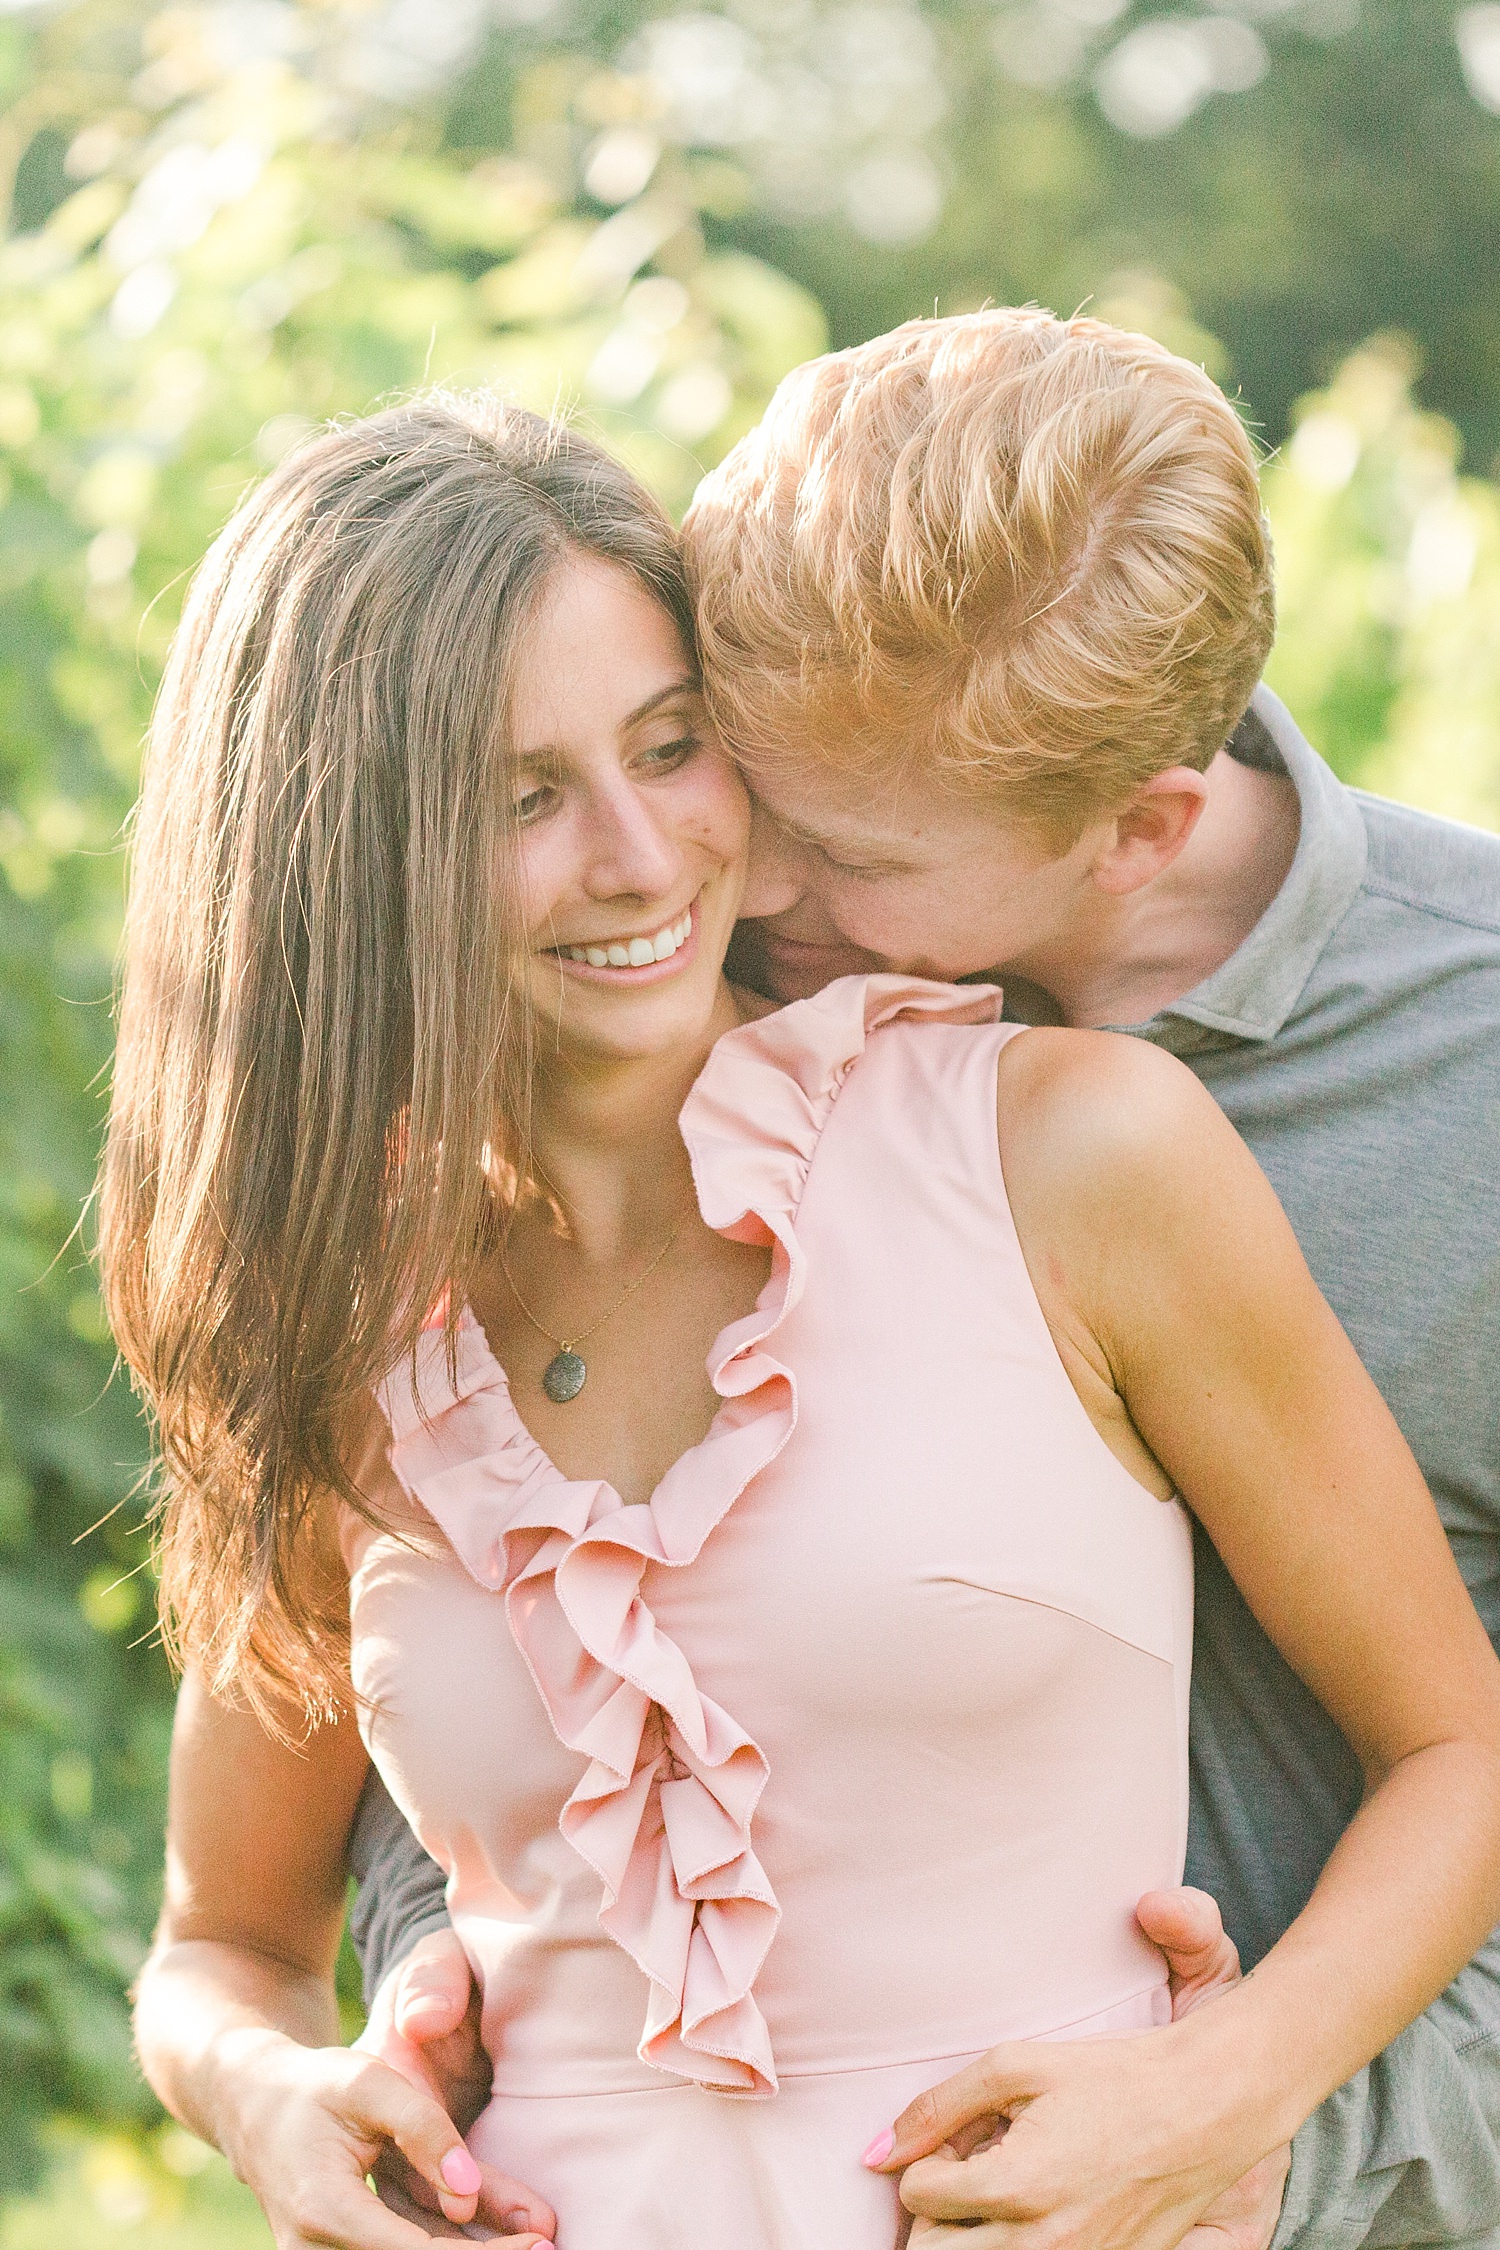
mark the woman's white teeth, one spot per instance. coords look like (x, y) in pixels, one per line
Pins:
(636, 952)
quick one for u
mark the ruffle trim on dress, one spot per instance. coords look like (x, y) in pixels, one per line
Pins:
(664, 1808)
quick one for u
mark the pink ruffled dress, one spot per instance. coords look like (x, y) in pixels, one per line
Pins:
(769, 1803)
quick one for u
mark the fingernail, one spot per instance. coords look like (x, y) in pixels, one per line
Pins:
(878, 2150)
(460, 2172)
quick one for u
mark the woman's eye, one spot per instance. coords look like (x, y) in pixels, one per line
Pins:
(667, 756)
(530, 804)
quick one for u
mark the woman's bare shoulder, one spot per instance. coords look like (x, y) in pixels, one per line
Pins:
(1125, 1177)
(1102, 1104)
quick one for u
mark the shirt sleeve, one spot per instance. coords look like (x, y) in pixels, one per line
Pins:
(1408, 2152)
(401, 1895)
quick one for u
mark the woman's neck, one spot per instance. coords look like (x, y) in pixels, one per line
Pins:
(605, 1139)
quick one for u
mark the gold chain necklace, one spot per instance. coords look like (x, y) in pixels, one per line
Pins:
(566, 1372)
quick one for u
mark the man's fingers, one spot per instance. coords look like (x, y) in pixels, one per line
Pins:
(396, 2195)
(990, 2088)
(1182, 1921)
(949, 2188)
(1187, 1927)
(424, 2022)
(433, 1988)
(423, 2133)
(344, 2215)
(1245, 2216)
(505, 2222)
(513, 2208)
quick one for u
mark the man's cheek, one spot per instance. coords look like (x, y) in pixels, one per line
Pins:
(894, 935)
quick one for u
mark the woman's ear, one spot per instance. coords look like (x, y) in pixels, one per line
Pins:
(1144, 838)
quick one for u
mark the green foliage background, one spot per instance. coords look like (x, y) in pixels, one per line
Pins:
(231, 218)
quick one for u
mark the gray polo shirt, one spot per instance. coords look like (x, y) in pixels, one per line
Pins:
(1354, 1040)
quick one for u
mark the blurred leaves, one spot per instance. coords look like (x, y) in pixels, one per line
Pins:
(1389, 588)
(1304, 172)
(167, 2190)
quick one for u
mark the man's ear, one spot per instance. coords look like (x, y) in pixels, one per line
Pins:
(1144, 839)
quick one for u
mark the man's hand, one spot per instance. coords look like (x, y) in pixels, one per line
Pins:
(424, 2022)
(1245, 2216)
(1201, 1956)
(1073, 2145)
(1188, 1928)
(424, 2025)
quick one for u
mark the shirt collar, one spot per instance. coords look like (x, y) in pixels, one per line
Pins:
(1251, 995)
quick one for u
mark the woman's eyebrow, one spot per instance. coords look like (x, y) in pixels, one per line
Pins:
(689, 684)
(539, 752)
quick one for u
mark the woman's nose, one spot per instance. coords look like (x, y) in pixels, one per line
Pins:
(630, 851)
(775, 878)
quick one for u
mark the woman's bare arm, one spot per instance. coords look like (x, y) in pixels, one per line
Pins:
(1175, 1252)
(236, 2021)
(1200, 1345)
(255, 1867)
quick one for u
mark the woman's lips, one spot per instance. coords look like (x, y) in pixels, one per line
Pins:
(681, 934)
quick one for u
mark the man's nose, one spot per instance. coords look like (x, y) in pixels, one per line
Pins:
(776, 876)
(629, 849)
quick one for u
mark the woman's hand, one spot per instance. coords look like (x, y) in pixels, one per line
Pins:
(1093, 2163)
(312, 2123)
(235, 2014)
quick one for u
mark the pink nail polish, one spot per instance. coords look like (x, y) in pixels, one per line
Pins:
(460, 2172)
(878, 2150)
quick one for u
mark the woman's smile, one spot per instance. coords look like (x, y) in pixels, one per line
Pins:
(633, 957)
(631, 825)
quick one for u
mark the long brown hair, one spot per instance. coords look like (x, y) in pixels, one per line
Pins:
(318, 1038)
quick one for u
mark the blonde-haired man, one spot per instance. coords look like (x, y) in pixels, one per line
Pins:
(983, 607)
(1017, 559)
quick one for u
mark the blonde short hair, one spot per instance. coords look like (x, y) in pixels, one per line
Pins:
(1023, 554)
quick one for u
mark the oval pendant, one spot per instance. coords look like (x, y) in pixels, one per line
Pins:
(564, 1377)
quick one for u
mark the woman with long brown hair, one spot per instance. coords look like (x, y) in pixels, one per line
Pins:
(721, 1463)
